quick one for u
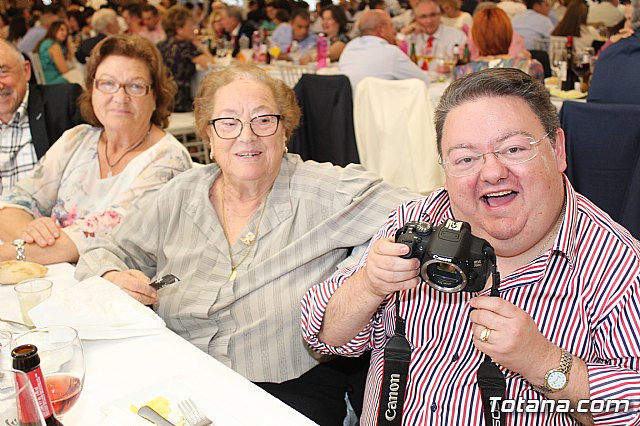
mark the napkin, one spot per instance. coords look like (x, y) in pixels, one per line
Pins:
(567, 94)
(98, 309)
(120, 416)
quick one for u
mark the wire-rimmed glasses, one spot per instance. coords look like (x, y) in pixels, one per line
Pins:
(134, 88)
(230, 127)
(465, 162)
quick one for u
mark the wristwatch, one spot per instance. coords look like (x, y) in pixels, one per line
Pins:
(19, 243)
(556, 379)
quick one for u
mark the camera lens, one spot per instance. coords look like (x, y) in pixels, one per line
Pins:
(443, 276)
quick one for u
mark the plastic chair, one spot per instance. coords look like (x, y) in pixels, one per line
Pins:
(395, 133)
(291, 73)
(182, 126)
(36, 67)
(603, 157)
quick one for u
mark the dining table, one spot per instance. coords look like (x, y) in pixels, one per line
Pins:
(120, 370)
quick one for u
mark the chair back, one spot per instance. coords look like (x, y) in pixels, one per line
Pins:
(36, 67)
(603, 157)
(182, 125)
(395, 132)
(542, 56)
(326, 129)
(290, 73)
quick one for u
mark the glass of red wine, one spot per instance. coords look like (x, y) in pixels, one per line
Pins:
(582, 65)
(61, 361)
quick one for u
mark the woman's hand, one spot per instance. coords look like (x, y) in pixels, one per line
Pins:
(135, 284)
(43, 231)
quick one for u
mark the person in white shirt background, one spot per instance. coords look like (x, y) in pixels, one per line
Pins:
(426, 31)
(374, 53)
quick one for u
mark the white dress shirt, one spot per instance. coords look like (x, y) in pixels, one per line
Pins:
(373, 56)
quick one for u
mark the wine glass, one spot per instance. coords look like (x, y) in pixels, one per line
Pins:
(18, 405)
(61, 361)
(6, 343)
(582, 64)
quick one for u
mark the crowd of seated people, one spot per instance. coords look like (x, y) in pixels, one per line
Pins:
(93, 176)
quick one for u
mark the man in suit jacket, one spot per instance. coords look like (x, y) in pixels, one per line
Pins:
(32, 117)
(234, 27)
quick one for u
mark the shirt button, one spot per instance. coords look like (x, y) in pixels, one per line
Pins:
(455, 357)
(434, 407)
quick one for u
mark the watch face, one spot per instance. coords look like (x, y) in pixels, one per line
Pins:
(556, 380)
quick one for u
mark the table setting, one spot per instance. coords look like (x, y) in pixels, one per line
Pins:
(112, 361)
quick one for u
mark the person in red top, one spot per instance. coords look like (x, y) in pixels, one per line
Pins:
(563, 330)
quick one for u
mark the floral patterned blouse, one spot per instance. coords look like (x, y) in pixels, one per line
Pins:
(177, 56)
(66, 185)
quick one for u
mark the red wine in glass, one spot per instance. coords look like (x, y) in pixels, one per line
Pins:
(64, 391)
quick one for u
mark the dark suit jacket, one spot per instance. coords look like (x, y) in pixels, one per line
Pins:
(52, 110)
(85, 48)
(247, 29)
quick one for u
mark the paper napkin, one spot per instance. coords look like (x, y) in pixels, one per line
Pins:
(98, 309)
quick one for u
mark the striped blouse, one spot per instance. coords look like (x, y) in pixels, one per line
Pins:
(584, 295)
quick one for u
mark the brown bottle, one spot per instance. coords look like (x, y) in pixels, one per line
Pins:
(26, 358)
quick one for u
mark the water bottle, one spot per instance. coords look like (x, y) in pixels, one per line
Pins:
(322, 51)
(244, 41)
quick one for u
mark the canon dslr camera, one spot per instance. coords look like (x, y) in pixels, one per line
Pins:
(451, 259)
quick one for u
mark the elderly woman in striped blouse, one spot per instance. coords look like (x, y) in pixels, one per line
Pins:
(248, 236)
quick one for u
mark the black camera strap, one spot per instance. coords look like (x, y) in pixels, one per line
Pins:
(397, 355)
(491, 381)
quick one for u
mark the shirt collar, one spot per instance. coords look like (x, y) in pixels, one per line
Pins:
(21, 111)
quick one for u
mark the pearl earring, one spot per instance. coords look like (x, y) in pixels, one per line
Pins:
(211, 155)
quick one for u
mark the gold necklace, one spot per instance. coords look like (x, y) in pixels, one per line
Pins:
(106, 150)
(249, 239)
(556, 228)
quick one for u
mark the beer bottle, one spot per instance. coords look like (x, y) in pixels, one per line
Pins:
(26, 358)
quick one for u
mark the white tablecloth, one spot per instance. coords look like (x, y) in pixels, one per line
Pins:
(166, 362)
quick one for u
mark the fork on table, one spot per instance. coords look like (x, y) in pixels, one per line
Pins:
(192, 413)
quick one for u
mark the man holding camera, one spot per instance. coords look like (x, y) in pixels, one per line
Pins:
(563, 329)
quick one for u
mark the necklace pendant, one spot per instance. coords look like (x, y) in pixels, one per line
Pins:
(233, 276)
(248, 238)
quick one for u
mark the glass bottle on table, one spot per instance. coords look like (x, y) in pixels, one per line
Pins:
(570, 78)
(26, 358)
(322, 46)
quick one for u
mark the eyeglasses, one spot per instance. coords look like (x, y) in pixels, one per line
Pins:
(132, 89)
(464, 162)
(231, 128)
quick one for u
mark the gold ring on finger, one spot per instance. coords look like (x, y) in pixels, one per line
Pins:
(484, 335)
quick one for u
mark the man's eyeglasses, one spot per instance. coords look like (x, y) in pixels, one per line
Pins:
(464, 162)
(110, 87)
(231, 128)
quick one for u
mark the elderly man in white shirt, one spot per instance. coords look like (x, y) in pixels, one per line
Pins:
(374, 53)
(428, 34)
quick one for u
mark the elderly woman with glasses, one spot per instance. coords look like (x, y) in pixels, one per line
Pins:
(84, 184)
(248, 236)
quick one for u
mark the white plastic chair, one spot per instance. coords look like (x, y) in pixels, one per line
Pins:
(290, 73)
(394, 129)
(36, 67)
(182, 125)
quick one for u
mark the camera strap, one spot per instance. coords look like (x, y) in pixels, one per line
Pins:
(491, 381)
(397, 355)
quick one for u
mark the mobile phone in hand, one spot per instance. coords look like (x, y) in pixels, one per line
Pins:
(164, 281)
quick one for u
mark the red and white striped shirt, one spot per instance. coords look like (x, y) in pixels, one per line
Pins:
(584, 295)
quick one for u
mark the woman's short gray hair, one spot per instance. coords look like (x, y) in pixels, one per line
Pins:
(284, 97)
(498, 82)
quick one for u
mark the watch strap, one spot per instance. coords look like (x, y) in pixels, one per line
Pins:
(19, 243)
(566, 361)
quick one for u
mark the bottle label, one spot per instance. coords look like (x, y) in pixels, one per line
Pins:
(40, 391)
(563, 71)
(25, 415)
